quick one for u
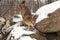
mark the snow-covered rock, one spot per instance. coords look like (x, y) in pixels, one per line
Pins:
(51, 24)
(43, 11)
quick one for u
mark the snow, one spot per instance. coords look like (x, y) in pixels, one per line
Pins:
(19, 19)
(27, 38)
(43, 11)
(15, 19)
(18, 31)
(2, 20)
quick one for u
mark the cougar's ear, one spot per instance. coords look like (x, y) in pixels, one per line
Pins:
(23, 2)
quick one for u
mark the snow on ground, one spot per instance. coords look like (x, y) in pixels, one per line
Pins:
(43, 11)
(2, 20)
(27, 38)
(19, 19)
(18, 31)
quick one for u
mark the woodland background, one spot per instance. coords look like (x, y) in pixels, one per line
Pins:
(33, 5)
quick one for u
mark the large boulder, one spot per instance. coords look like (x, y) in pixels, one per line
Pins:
(50, 24)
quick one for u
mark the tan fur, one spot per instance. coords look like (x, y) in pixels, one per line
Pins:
(26, 14)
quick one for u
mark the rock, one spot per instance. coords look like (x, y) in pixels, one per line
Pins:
(54, 14)
(38, 36)
(52, 36)
(58, 33)
(51, 24)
